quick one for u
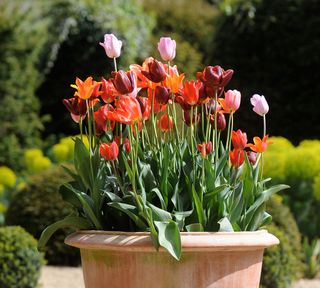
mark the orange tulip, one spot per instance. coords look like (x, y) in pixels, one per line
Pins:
(191, 92)
(259, 145)
(127, 111)
(87, 89)
(109, 151)
(174, 80)
(165, 123)
(205, 148)
(236, 157)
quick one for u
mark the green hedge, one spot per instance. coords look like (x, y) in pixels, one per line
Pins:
(20, 261)
(38, 205)
(23, 33)
(273, 48)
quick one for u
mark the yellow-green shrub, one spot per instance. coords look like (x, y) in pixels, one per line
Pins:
(35, 161)
(280, 144)
(7, 177)
(316, 187)
(60, 152)
(274, 165)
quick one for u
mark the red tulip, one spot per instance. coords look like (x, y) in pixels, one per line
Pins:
(165, 123)
(124, 82)
(191, 92)
(239, 139)
(109, 151)
(236, 157)
(108, 92)
(145, 107)
(101, 120)
(195, 117)
(205, 148)
(127, 111)
(155, 71)
(259, 145)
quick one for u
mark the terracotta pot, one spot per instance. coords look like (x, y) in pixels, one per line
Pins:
(129, 260)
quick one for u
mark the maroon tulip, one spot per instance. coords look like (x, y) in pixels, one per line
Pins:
(221, 121)
(156, 72)
(162, 94)
(195, 118)
(215, 77)
(124, 82)
(77, 107)
(252, 156)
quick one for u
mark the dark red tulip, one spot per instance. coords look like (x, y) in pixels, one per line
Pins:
(221, 121)
(156, 72)
(215, 77)
(124, 82)
(162, 94)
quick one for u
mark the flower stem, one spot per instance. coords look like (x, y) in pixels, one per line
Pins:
(115, 64)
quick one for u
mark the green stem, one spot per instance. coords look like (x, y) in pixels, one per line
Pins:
(115, 64)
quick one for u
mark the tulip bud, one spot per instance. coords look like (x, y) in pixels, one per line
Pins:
(195, 117)
(127, 145)
(260, 104)
(221, 121)
(165, 123)
(109, 151)
(205, 148)
(167, 48)
(162, 94)
(156, 72)
(111, 45)
(252, 156)
(124, 82)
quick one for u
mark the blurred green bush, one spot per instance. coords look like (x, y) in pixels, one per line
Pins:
(298, 167)
(273, 48)
(20, 261)
(39, 204)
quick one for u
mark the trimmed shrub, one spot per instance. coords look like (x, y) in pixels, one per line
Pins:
(23, 32)
(35, 161)
(7, 177)
(38, 205)
(20, 261)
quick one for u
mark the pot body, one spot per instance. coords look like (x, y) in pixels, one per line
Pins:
(209, 260)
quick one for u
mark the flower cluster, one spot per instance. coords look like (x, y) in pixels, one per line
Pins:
(163, 156)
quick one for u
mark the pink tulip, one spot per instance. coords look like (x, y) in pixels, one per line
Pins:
(260, 104)
(232, 100)
(167, 48)
(111, 45)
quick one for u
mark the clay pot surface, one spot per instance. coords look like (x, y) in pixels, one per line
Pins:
(209, 259)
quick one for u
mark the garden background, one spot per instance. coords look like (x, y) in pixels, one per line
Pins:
(273, 46)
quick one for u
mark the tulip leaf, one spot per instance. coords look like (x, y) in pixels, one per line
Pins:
(159, 214)
(68, 222)
(169, 237)
(195, 227)
(225, 225)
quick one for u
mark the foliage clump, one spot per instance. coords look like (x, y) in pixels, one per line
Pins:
(39, 204)
(20, 261)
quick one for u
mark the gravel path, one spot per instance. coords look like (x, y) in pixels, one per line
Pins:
(67, 277)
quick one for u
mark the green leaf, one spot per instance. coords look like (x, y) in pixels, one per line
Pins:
(169, 237)
(180, 217)
(198, 206)
(194, 227)
(158, 193)
(208, 197)
(225, 225)
(159, 214)
(69, 197)
(131, 211)
(82, 163)
(68, 222)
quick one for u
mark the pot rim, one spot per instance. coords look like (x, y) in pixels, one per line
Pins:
(190, 241)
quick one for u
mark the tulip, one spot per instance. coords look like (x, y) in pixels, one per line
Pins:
(124, 82)
(108, 92)
(215, 77)
(191, 92)
(88, 89)
(165, 123)
(205, 148)
(127, 145)
(145, 106)
(111, 45)
(232, 100)
(252, 156)
(259, 145)
(260, 104)
(239, 139)
(109, 151)
(77, 108)
(221, 121)
(162, 94)
(167, 48)
(127, 111)
(155, 71)
(174, 79)
(236, 157)
(195, 118)
(101, 120)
